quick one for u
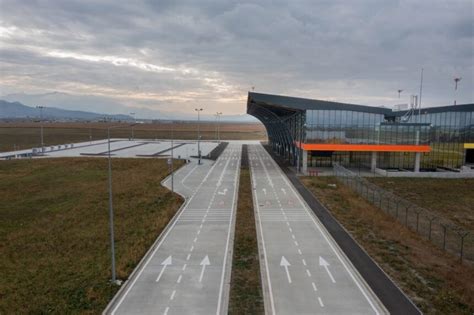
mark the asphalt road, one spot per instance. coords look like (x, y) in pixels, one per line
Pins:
(303, 269)
(187, 271)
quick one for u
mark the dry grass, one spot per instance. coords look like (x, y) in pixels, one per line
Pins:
(245, 287)
(434, 280)
(452, 199)
(27, 135)
(54, 239)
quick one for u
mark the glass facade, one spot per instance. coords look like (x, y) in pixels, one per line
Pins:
(448, 131)
(353, 127)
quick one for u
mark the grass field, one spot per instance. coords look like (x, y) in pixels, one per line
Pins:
(452, 199)
(28, 135)
(54, 236)
(245, 287)
(433, 279)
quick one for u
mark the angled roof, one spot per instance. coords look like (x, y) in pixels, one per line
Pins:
(287, 103)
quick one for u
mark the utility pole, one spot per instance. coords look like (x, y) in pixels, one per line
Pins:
(41, 127)
(456, 81)
(199, 110)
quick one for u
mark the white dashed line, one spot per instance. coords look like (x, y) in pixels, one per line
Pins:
(172, 295)
(314, 286)
(320, 302)
(179, 279)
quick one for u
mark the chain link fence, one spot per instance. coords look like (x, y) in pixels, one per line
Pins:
(446, 235)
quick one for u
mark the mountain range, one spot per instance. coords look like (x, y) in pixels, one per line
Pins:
(68, 106)
(18, 110)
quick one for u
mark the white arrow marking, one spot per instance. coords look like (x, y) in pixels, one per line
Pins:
(283, 190)
(264, 191)
(165, 264)
(205, 262)
(285, 264)
(325, 264)
(223, 192)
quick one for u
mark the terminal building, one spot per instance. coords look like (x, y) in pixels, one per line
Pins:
(315, 133)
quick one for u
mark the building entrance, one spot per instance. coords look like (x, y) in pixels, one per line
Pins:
(469, 156)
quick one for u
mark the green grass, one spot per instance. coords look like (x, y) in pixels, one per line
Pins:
(433, 279)
(245, 287)
(54, 239)
(452, 199)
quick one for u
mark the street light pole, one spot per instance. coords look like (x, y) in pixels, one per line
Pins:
(111, 212)
(134, 122)
(199, 110)
(111, 208)
(41, 127)
(172, 157)
(456, 81)
(218, 115)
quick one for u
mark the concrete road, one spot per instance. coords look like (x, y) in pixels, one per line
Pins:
(188, 269)
(303, 269)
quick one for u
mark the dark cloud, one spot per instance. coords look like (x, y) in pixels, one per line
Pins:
(208, 52)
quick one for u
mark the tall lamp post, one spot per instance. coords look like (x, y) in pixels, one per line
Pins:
(199, 110)
(111, 207)
(456, 81)
(218, 118)
(134, 122)
(41, 127)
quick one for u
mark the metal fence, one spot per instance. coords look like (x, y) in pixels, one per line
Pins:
(439, 231)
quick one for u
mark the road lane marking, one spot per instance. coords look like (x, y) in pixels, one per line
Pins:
(179, 279)
(325, 264)
(304, 262)
(285, 264)
(314, 286)
(320, 302)
(165, 263)
(189, 256)
(166, 310)
(172, 295)
(308, 273)
(184, 267)
(205, 262)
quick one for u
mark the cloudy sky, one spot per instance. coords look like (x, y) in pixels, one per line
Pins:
(176, 55)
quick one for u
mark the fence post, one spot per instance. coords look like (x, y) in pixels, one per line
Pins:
(406, 215)
(431, 219)
(444, 236)
(462, 235)
(417, 219)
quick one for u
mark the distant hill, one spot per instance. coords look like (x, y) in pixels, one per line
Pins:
(18, 110)
(87, 103)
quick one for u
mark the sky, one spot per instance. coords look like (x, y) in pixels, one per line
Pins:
(175, 56)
